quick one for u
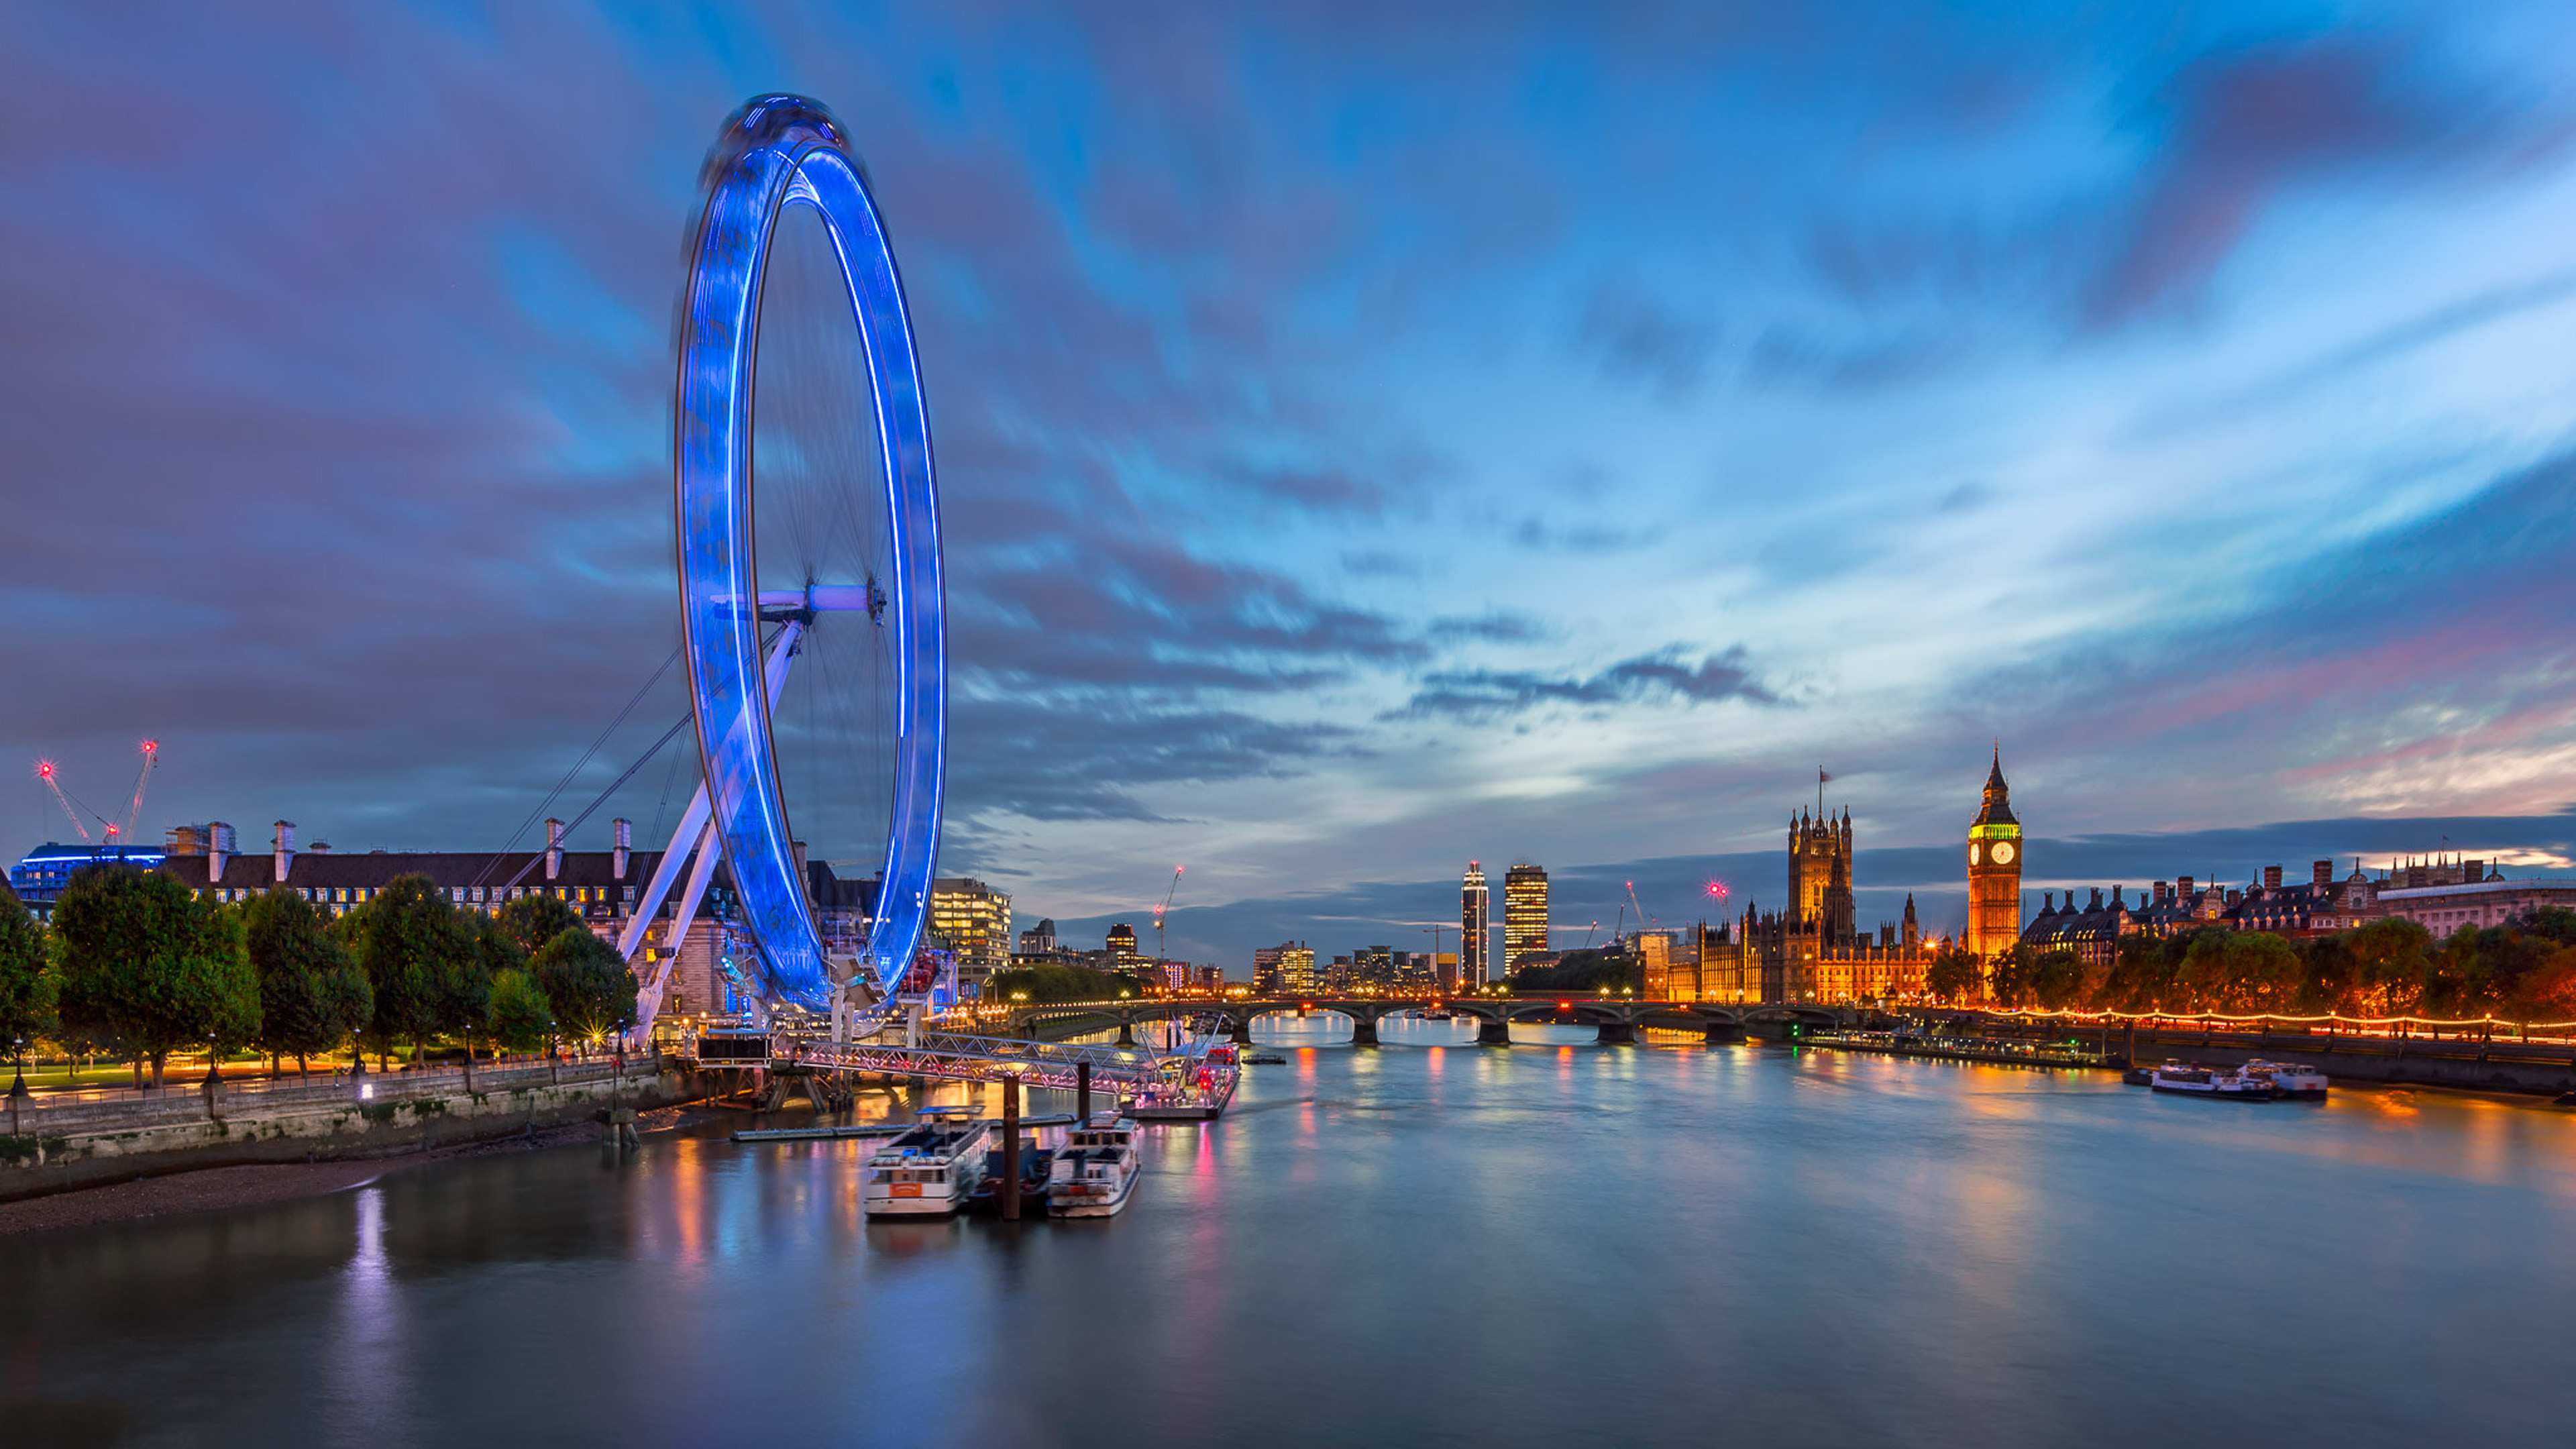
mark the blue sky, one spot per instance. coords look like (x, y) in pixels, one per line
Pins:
(1372, 437)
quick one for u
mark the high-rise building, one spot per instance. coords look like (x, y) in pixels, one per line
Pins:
(1123, 955)
(1475, 929)
(1994, 871)
(1524, 913)
(975, 920)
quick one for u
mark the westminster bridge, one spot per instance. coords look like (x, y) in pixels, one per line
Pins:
(1615, 1019)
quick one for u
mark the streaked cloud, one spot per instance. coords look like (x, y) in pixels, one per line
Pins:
(1345, 417)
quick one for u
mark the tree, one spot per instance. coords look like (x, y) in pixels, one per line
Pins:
(1954, 975)
(2554, 924)
(148, 967)
(412, 946)
(1589, 968)
(2143, 975)
(2008, 980)
(2056, 978)
(311, 995)
(26, 985)
(522, 1019)
(586, 983)
(2390, 965)
(1059, 983)
(2243, 971)
(532, 921)
(2548, 993)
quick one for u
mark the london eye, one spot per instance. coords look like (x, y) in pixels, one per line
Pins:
(807, 541)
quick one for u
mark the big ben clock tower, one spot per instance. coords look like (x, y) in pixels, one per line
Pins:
(1994, 871)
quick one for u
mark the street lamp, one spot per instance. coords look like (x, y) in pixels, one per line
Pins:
(210, 1059)
(18, 1088)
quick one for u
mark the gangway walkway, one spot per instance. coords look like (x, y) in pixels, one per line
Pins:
(950, 1056)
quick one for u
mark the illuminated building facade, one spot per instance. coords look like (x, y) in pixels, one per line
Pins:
(1994, 871)
(1123, 955)
(1475, 928)
(975, 920)
(1811, 952)
(1524, 914)
(39, 877)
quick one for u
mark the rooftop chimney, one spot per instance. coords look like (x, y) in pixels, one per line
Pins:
(321, 847)
(2321, 874)
(625, 847)
(285, 849)
(799, 847)
(554, 849)
(219, 849)
(2271, 877)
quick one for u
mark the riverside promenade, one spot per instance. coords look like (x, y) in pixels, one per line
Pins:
(58, 1141)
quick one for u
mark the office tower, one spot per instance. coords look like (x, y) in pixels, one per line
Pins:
(1524, 913)
(1475, 930)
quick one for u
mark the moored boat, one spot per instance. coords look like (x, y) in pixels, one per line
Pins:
(1095, 1171)
(2293, 1080)
(1190, 1089)
(1040, 1139)
(928, 1171)
(2198, 1081)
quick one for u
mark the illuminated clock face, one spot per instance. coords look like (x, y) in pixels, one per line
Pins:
(2003, 852)
(1976, 852)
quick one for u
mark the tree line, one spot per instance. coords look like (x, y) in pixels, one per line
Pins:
(135, 967)
(2523, 970)
(1049, 983)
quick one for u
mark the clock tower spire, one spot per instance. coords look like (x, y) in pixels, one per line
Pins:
(1994, 870)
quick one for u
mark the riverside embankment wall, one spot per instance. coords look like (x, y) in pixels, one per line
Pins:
(2476, 1066)
(2468, 1062)
(58, 1146)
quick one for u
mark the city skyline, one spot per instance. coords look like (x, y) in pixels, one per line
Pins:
(2180, 401)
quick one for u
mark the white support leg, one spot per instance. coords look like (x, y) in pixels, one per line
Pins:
(693, 823)
(648, 997)
(696, 825)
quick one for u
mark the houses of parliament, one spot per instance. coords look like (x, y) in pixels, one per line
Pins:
(1812, 947)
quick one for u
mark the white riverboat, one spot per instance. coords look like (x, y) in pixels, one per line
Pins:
(2291, 1079)
(1096, 1169)
(929, 1170)
(2188, 1080)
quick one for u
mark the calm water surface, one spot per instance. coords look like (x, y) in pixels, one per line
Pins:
(1555, 1243)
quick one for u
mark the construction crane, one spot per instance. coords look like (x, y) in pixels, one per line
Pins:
(52, 776)
(1160, 911)
(1640, 910)
(134, 812)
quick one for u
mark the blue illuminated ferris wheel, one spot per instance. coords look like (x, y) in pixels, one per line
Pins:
(741, 632)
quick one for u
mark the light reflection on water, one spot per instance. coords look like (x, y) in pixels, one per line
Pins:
(1557, 1243)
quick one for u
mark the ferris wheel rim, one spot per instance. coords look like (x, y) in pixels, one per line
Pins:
(781, 151)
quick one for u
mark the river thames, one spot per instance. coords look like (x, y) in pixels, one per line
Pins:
(1549, 1244)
